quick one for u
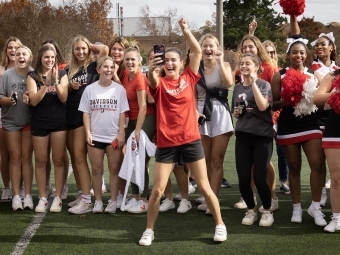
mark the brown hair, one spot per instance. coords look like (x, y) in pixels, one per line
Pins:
(261, 51)
(38, 65)
(125, 44)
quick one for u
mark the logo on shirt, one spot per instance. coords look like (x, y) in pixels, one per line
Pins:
(134, 146)
(103, 104)
(243, 97)
(181, 87)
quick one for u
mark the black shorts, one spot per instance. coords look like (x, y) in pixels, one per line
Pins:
(75, 126)
(37, 131)
(100, 145)
(190, 152)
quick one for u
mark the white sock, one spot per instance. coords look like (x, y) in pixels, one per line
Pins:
(86, 198)
(297, 206)
(80, 192)
(324, 190)
(316, 205)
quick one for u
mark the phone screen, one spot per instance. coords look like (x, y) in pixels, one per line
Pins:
(159, 51)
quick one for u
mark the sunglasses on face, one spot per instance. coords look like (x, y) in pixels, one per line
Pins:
(271, 52)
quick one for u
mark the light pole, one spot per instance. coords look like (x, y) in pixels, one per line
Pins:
(219, 22)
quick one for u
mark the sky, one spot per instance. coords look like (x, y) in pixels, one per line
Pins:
(199, 11)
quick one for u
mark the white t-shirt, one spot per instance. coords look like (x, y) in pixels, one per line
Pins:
(104, 104)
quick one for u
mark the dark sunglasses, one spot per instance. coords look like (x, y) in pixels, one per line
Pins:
(271, 52)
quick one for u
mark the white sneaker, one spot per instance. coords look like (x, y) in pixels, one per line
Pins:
(139, 207)
(250, 218)
(6, 195)
(323, 200)
(81, 208)
(166, 205)
(147, 237)
(267, 219)
(274, 205)
(131, 203)
(22, 193)
(120, 200)
(28, 202)
(48, 190)
(220, 233)
(98, 206)
(57, 204)
(328, 184)
(333, 226)
(16, 203)
(297, 216)
(178, 197)
(207, 212)
(202, 207)
(200, 200)
(184, 206)
(42, 205)
(241, 204)
(111, 207)
(73, 203)
(64, 193)
(191, 189)
(317, 215)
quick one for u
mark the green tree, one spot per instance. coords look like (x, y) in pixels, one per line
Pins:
(239, 13)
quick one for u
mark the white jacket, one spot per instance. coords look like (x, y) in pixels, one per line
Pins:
(133, 166)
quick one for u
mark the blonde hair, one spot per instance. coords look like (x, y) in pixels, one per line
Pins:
(101, 61)
(261, 51)
(269, 43)
(209, 36)
(5, 59)
(28, 49)
(73, 63)
(136, 50)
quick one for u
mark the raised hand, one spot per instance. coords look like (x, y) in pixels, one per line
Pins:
(183, 23)
(252, 26)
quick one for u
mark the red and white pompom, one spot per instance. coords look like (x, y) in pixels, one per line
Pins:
(334, 99)
(298, 92)
(292, 86)
(293, 7)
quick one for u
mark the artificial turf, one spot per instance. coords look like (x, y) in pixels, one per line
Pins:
(190, 233)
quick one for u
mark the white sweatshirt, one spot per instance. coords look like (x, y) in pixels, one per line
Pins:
(133, 166)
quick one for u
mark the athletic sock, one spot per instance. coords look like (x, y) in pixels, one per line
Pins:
(316, 205)
(86, 198)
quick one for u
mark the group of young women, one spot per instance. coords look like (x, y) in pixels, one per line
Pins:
(91, 106)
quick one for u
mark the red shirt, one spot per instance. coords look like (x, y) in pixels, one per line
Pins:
(176, 110)
(138, 83)
(268, 72)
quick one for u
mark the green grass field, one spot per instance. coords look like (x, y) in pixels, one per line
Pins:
(190, 233)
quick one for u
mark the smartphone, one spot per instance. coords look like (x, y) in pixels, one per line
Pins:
(159, 51)
(240, 105)
(201, 120)
(14, 96)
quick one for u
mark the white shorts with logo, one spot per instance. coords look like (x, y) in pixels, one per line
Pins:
(220, 122)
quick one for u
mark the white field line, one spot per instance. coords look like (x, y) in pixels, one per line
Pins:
(25, 239)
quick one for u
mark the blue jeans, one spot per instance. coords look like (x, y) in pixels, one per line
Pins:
(282, 164)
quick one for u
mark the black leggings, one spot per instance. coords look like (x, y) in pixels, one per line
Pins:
(253, 151)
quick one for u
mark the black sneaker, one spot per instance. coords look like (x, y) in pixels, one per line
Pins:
(193, 182)
(225, 183)
(284, 188)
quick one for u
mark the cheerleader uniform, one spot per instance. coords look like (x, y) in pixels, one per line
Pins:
(292, 129)
(322, 70)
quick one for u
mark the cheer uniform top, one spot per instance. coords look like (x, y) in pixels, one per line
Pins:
(50, 112)
(84, 76)
(322, 70)
(292, 129)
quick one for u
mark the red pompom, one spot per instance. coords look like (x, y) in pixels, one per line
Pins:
(293, 7)
(334, 99)
(292, 86)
